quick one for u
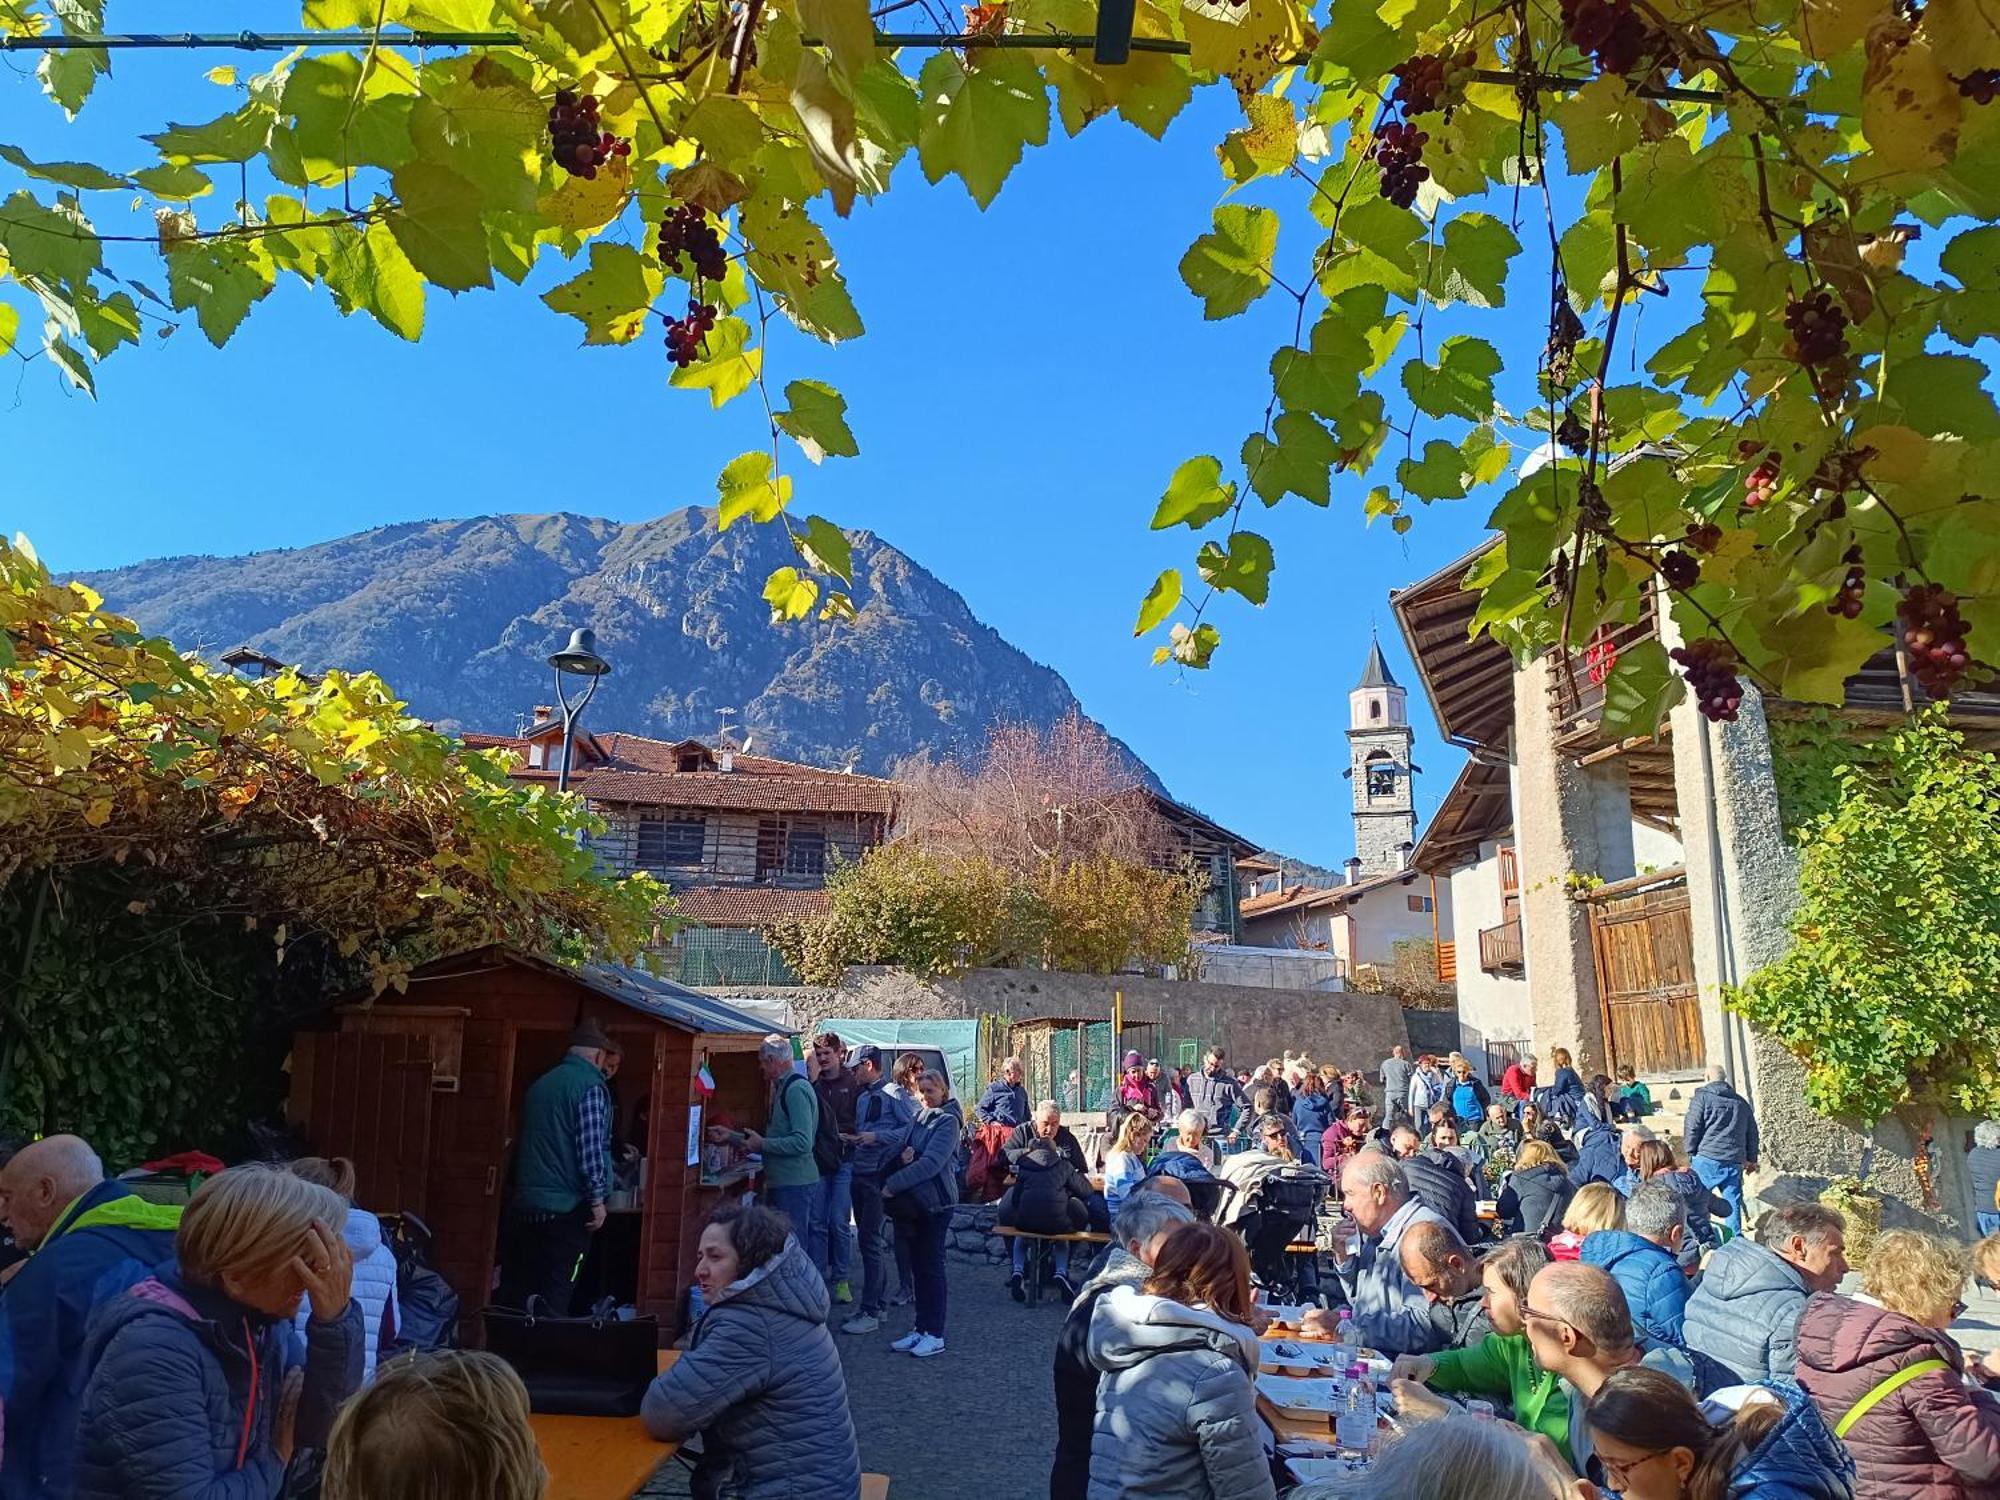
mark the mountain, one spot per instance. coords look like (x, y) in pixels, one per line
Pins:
(459, 616)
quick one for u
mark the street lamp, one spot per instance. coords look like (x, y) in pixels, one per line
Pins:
(578, 659)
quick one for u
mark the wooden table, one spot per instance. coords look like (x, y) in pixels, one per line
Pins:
(600, 1458)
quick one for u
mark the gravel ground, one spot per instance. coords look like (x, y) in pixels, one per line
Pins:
(977, 1420)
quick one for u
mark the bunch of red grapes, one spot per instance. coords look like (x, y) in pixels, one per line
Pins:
(1682, 570)
(685, 230)
(1399, 152)
(1853, 588)
(1763, 480)
(1710, 669)
(1425, 83)
(1934, 632)
(578, 145)
(685, 336)
(1614, 35)
(1981, 86)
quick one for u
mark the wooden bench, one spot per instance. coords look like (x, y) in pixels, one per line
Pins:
(874, 1487)
(1042, 1254)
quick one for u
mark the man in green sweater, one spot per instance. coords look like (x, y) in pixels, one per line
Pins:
(561, 1176)
(791, 1176)
(1501, 1367)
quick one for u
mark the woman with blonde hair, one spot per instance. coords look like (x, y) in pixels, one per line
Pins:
(1125, 1162)
(1536, 1193)
(1176, 1408)
(1596, 1206)
(374, 1262)
(1890, 1381)
(186, 1396)
(449, 1425)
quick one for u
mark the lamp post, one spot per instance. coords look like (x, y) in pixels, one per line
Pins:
(578, 659)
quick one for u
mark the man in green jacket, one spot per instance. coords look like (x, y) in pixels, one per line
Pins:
(561, 1177)
(791, 1176)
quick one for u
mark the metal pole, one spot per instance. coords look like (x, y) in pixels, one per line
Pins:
(571, 713)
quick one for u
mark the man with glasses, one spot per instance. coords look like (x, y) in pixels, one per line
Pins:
(1580, 1329)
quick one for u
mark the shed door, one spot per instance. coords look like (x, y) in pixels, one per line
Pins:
(367, 1096)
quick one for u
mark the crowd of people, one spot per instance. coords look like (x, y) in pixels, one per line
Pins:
(1566, 1303)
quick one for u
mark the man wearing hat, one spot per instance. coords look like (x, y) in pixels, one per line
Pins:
(561, 1175)
(881, 1118)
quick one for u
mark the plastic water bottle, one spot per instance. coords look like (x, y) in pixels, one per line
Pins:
(1346, 1342)
(1354, 1424)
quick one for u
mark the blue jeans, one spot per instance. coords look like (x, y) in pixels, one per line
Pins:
(832, 1246)
(1989, 1221)
(927, 1239)
(868, 1227)
(796, 1204)
(1725, 1178)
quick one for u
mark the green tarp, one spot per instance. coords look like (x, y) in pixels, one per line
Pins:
(957, 1040)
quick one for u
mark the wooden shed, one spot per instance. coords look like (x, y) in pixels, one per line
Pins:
(423, 1089)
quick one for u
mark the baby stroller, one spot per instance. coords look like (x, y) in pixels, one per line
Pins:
(1282, 1207)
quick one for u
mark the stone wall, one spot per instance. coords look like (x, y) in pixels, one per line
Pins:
(1350, 1030)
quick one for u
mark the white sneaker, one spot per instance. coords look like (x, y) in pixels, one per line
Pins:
(907, 1342)
(861, 1323)
(927, 1345)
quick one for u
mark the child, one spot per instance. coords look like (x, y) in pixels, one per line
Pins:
(448, 1425)
(1635, 1100)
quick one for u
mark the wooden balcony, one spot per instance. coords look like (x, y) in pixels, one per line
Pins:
(1577, 686)
(1500, 949)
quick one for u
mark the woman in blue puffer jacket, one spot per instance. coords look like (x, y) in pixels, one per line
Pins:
(185, 1396)
(1653, 1441)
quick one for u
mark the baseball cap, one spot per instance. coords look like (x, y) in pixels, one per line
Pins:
(868, 1052)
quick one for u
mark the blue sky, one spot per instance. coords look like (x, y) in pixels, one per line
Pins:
(1030, 377)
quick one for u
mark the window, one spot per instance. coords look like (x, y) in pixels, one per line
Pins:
(665, 843)
(1420, 903)
(690, 760)
(805, 852)
(1381, 780)
(1375, 709)
(1510, 872)
(786, 848)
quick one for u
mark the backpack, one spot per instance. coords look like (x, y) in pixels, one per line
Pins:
(986, 1168)
(426, 1307)
(829, 1150)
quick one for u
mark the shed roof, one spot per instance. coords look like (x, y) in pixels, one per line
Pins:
(1478, 807)
(1306, 897)
(650, 995)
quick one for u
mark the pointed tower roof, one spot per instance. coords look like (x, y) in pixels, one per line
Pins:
(1376, 673)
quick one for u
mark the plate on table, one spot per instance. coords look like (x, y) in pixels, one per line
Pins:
(1304, 1469)
(1307, 1398)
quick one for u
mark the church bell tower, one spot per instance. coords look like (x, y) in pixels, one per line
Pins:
(1379, 743)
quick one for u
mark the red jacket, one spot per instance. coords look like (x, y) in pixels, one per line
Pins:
(1517, 1082)
(1934, 1438)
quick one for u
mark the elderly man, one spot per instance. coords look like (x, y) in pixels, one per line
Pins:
(791, 1175)
(1629, 1142)
(880, 1117)
(561, 1175)
(91, 1240)
(1396, 1072)
(1745, 1313)
(1439, 1264)
(1518, 1082)
(1005, 1101)
(1438, 1179)
(1644, 1259)
(1145, 1221)
(1720, 1137)
(1389, 1311)
(1580, 1330)
(1046, 1125)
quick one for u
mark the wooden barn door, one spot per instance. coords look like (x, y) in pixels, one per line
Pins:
(1644, 945)
(367, 1096)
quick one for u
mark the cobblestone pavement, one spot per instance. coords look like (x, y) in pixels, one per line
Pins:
(975, 1423)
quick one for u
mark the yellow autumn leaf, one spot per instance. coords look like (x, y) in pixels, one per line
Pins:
(1910, 107)
(98, 813)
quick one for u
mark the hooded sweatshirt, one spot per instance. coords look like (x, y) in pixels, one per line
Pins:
(762, 1383)
(1176, 1410)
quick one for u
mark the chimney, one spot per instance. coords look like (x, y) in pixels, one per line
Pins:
(727, 760)
(1354, 870)
(543, 714)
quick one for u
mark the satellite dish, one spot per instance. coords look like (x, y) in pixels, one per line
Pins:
(747, 741)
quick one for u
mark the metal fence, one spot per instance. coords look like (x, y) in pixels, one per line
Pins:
(724, 956)
(1076, 1064)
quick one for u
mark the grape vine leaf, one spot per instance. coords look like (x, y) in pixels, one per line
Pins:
(614, 297)
(1195, 495)
(1190, 647)
(1640, 689)
(1264, 147)
(746, 487)
(825, 546)
(1813, 653)
(1161, 600)
(1473, 268)
(1230, 267)
(108, 323)
(817, 418)
(1438, 475)
(485, 124)
(341, 122)
(368, 272)
(1300, 462)
(1325, 377)
(234, 137)
(438, 226)
(10, 324)
(1599, 122)
(727, 365)
(791, 595)
(980, 114)
(791, 259)
(1460, 384)
(72, 364)
(1910, 105)
(220, 280)
(846, 28)
(1974, 259)
(69, 74)
(1248, 42)
(76, 174)
(1243, 566)
(44, 243)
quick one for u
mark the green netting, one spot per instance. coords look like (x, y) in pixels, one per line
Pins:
(725, 956)
(957, 1040)
(1186, 1052)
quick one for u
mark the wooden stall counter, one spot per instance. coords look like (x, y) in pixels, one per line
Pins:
(600, 1458)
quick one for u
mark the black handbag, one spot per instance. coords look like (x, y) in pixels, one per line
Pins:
(595, 1366)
